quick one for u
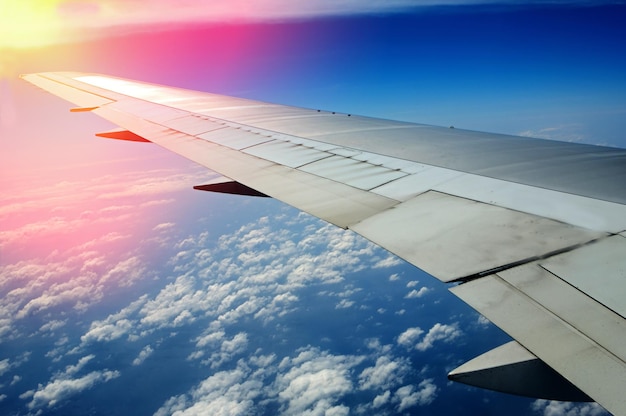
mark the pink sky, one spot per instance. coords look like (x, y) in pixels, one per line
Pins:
(43, 22)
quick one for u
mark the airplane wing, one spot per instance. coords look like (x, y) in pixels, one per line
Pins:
(531, 233)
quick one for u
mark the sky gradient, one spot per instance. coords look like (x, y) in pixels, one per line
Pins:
(114, 272)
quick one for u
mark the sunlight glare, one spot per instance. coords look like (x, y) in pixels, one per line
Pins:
(27, 24)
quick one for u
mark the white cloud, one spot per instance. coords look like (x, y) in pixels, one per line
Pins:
(125, 272)
(375, 345)
(389, 261)
(387, 373)
(408, 397)
(230, 392)
(143, 354)
(223, 289)
(381, 399)
(568, 133)
(62, 387)
(228, 349)
(107, 331)
(439, 332)
(4, 366)
(258, 271)
(73, 369)
(314, 382)
(164, 226)
(554, 408)
(482, 321)
(84, 264)
(409, 337)
(7, 365)
(344, 304)
(414, 294)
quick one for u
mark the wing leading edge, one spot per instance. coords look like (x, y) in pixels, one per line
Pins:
(533, 230)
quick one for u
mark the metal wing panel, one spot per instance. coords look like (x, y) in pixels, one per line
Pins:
(73, 95)
(286, 153)
(352, 172)
(591, 171)
(454, 238)
(335, 202)
(568, 208)
(578, 337)
(233, 138)
(599, 270)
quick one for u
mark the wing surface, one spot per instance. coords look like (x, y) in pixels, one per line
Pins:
(531, 233)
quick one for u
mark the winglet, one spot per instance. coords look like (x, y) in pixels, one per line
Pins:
(510, 368)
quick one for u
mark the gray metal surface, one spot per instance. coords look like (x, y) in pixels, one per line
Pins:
(452, 238)
(582, 312)
(599, 270)
(287, 153)
(569, 331)
(592, 171)
(336, 202)
(352, 172)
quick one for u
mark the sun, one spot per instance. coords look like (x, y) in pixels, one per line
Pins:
(29, 23)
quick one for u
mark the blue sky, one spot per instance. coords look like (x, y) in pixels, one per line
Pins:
(114, 273)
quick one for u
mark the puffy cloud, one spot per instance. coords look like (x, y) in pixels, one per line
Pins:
(228, 349)
(439, 332)
(381, 399)
(555, 408)
(231, 392)
(375, 345)
(414, 294)
(4, 366)
(107, 331)
(82, 253)
(64, 385)
(73, 369)
(257, 273)
(482, 321)
(254, 272)
(386, 374)
(314, 382)
(125, 272)
(408, 397)
(409, 337)
(389, 261)
(7, 365)
(164, 226)
(143, 354)
(344, 304)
